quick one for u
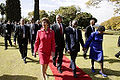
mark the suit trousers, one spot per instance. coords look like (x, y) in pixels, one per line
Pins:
(32, 43)
(9, 39)
(23, 48)
(59, 54)
(73, 58)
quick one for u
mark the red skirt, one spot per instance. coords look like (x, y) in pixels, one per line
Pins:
(44, 57)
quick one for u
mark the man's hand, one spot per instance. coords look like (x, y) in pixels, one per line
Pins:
(68, 52)
(14, 43)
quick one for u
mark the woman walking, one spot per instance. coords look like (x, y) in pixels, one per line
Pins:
(45, 45)
(96, 52)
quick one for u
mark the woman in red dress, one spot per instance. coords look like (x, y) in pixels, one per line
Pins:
(45, 45)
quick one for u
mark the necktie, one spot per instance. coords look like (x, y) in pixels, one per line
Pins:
(76, 35)
(60, 29)
(23, 31)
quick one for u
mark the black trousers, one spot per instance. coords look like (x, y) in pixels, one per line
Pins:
(73, 58)
(32, 43)
(23, 48)
(59, 54)
(7, 38)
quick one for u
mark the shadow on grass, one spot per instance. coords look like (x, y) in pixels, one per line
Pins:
(2, 44)
(112, 60)
(109, 72)
(32, 60)
(17, 77)
(79, 55)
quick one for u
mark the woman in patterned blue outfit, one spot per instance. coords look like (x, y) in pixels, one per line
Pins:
(96, 52)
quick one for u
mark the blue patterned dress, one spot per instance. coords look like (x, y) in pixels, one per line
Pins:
(95, 42)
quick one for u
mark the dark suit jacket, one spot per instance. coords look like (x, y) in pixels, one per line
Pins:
(19, 34)
(88, 31)
(59, 39)
(36, 28)
(7, 29)
(73, 43)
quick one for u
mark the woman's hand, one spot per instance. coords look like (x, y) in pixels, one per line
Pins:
(34, 54)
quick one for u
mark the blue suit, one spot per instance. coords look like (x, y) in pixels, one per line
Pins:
(73, 40)
(95, 42)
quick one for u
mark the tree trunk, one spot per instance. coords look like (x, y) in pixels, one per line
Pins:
(36, 10)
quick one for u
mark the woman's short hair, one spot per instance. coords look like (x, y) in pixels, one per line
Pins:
(46, 19)
(101, 28)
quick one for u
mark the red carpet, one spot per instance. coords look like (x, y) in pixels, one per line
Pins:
(67, 72)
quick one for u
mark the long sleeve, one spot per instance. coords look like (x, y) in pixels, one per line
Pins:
(67, 40)
(88, 42)
(81, 39)
(29, 35)
(53, 42)
(16, 33)
(86, 32)
(37, 42)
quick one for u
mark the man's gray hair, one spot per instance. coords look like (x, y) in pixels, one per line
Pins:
(58, 15)
(74, 21)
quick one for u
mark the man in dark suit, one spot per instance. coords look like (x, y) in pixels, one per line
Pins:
(33, 32)
(73, 40)
(59, 30)
(7, 33)
(22, 33)
(88, 31)
(38, 24)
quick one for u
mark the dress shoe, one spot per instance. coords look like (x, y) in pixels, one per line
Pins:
(117, 56)
(75, 75)
(92, 69)
(104, 75)
(25, 60)
(6, 48)
(59, 70)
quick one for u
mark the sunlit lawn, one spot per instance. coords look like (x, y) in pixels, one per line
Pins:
(13, 68)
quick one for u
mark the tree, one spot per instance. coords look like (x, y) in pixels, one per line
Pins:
(52, 17)
(43, 14)
(83, 19)
(13, 10)
(36, 10)
(30, 15)
(97, 2)
(68, 13)
(2, 10)
(113, 23)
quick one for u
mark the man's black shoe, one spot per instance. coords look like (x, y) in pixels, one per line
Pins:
(75, 75)
(117, 56)
(25, 60)
(6, 48)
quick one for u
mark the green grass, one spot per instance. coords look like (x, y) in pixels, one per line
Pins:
(112, 32)
(13, 68)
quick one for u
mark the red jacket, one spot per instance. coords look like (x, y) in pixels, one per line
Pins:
(45, 41)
